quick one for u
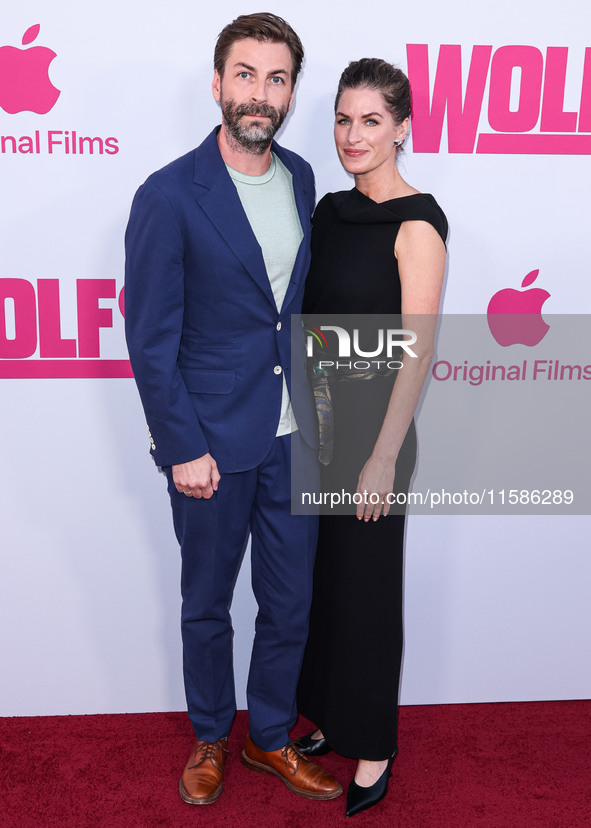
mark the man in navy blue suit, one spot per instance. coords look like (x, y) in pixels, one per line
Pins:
(217, 253)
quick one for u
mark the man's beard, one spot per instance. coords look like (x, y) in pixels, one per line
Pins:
(251, 137)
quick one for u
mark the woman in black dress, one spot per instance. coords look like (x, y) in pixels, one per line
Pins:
(376, 249)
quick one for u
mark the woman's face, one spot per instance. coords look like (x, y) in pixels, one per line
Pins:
(364, 132)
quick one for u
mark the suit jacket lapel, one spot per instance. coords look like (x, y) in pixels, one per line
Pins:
(219, 200)
(302, 199)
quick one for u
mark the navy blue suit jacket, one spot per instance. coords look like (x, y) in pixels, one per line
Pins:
(203, 331)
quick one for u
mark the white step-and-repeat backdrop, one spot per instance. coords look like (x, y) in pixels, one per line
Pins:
(94, 99)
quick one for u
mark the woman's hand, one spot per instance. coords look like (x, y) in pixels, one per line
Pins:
(375, 483)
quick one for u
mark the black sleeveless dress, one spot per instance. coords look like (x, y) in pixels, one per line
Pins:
(350, 675)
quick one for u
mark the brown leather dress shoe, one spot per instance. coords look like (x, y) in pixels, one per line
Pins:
(300, 775)
(201, 782)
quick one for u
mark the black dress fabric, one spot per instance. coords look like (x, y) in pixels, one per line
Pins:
(350, 675)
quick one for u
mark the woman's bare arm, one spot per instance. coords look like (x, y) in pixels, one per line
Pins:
(421, 263)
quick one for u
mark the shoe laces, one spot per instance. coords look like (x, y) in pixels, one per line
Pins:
(206, 750)
(291, 754)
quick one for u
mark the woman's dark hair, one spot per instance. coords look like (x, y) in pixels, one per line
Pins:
(374, 73)
(264, 27)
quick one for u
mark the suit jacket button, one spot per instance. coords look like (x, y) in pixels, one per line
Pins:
(277, 369)
(279, 326)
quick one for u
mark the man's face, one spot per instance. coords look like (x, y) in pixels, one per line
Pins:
(255, 92)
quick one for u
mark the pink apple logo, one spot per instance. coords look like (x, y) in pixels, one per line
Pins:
(24, 77)
(515, 316)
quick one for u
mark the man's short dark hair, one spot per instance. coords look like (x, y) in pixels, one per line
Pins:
(264, 27)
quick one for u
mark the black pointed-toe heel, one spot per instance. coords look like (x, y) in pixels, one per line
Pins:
(360, 799)
(312, 747)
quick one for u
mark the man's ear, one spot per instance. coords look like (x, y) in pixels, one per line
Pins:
(291, 97)
(216, 86)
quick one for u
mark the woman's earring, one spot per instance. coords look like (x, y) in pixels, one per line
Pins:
(397, 143)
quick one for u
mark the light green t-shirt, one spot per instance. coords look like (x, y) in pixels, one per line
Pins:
(269, 203)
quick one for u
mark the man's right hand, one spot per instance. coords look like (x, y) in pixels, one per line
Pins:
(197, 478)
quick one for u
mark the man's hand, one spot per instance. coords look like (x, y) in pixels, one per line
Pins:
(197, 478)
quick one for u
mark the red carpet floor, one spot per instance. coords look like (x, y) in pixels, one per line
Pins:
(493, 765)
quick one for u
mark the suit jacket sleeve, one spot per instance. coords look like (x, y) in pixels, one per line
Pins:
(154, 304)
